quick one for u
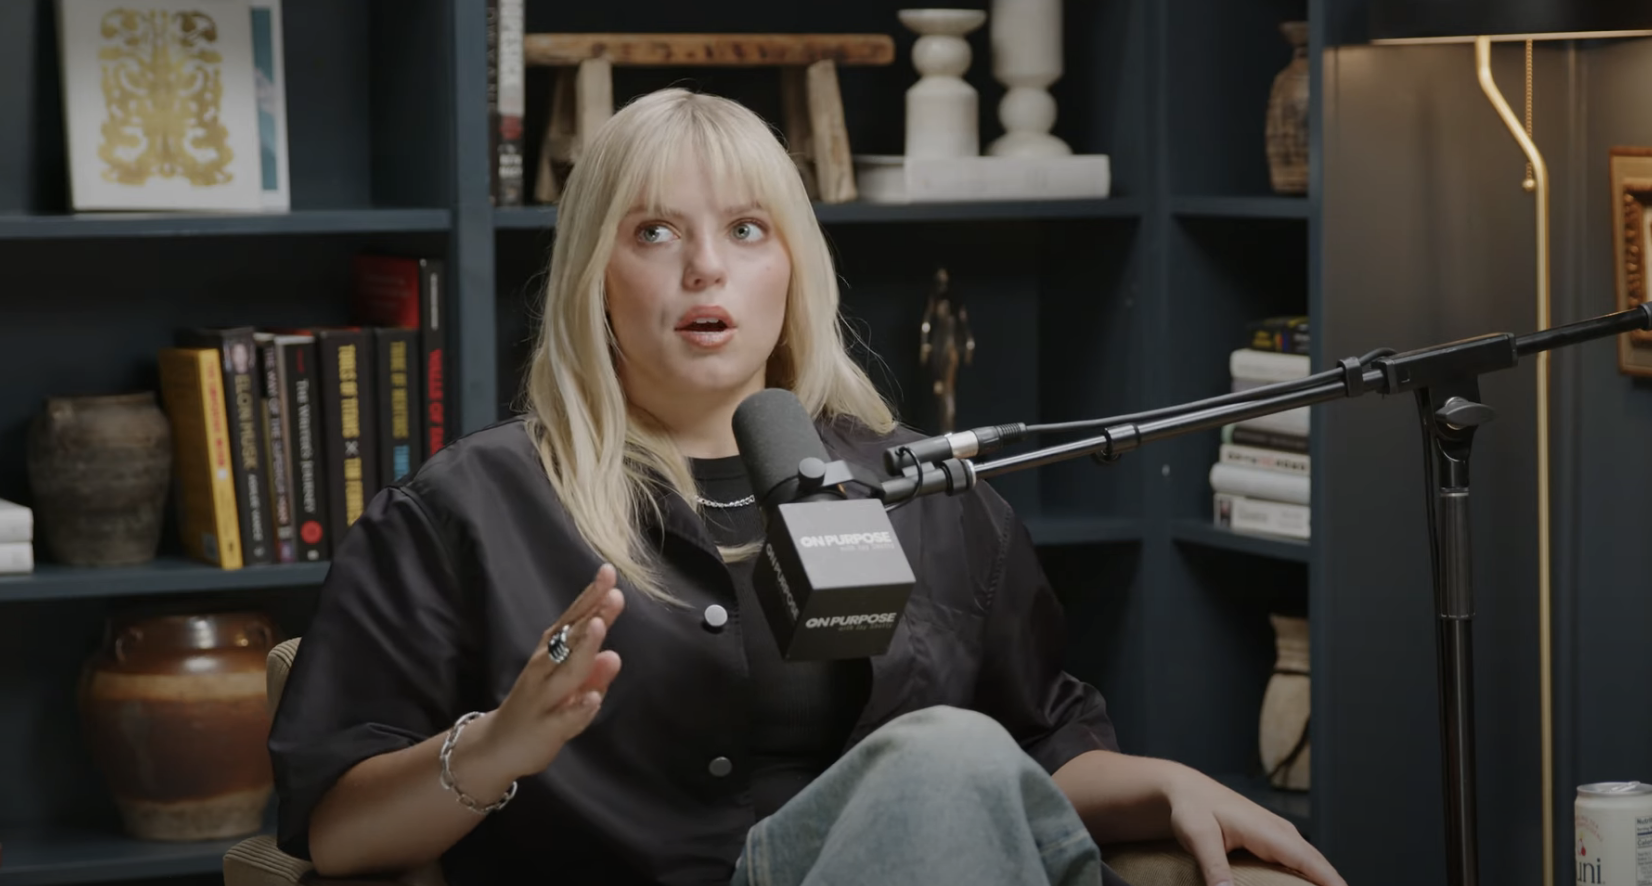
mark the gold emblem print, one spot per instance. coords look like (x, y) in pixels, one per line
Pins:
(162, 85)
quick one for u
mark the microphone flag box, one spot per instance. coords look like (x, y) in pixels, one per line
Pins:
(832, 579)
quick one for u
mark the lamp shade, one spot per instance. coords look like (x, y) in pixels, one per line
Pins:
(1453, 21)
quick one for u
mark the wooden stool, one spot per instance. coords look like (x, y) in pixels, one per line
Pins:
(583, 95)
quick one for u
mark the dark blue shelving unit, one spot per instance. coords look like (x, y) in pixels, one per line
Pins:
(166, 575)
(1206, 534)
(59, 857)
(150, 224)
(1240, 207)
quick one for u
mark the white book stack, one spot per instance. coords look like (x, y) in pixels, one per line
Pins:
(16, 539)
(1260, 480)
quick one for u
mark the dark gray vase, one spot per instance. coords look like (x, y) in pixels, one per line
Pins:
(99, 468)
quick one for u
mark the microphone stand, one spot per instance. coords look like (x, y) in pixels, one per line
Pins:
(1445, 382)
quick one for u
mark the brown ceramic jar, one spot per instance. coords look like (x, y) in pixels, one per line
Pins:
(174, 711)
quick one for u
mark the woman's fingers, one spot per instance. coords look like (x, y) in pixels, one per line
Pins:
(1202, 838)
(1287, 848)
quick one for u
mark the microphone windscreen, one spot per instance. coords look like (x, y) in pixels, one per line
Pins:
(774, 433)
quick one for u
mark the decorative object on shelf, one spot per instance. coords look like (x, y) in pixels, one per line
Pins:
(582, 97)
(270, 79)
(16, 538)
(99, 469)
(1287, 129)
(1285, 707)
(946, 343)
(173, 708)
(943, 162)
(160, 104)
(1027, 58)
(1400, 22)
(942, 108)
(1631, 174)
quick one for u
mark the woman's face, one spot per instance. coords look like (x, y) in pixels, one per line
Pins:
(696, 294)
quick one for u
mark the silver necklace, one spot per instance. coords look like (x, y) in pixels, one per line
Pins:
(737, 503)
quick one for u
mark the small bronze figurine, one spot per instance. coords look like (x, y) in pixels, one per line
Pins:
(946, 341)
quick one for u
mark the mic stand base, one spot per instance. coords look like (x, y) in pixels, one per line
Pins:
(1449, 412)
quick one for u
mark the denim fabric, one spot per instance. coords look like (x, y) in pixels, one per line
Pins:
(940, 795)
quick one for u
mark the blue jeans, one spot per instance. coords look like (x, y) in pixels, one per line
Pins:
(942, 796)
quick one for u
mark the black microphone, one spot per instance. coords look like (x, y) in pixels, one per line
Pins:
(832, 579)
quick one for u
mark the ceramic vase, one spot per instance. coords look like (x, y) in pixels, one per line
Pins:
(941, 108)
(99, 469)
(1287, 129)
(174, 710)
(1285, 706)
(1026, 58)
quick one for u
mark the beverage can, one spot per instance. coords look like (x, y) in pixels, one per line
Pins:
(1614, 834)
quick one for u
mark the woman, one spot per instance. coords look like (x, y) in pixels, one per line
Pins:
(438, 710)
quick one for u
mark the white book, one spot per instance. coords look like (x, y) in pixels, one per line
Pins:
(1265, 459)
(1267, 366)
(1251, 516)
(16, 557)
(1259, 483)
(16, 522)
(1291, 421)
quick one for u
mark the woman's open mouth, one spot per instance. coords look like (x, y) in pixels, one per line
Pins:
(706, 326)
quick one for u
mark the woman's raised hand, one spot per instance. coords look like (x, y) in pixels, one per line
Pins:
(552, 702)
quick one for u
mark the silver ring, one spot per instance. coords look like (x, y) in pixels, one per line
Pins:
(557, 648)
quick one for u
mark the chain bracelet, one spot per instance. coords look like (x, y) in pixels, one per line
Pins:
(465, 799)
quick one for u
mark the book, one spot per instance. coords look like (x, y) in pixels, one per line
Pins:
(277, 447)
(408, 293)
(302, 405)
(397, 395)
(507, 101)
(192, 391)
(16, 557)
(1249, 364)
(238, 355)
(1254, 482)
(1287, 335)
(1250, 516)
(1264, 458)
(16, 522)
(1249, 436)
(345, 360)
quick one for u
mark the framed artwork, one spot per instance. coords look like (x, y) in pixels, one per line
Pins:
(160, 104)
(1631, 172)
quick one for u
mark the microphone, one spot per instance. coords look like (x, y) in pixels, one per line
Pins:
(832, 580)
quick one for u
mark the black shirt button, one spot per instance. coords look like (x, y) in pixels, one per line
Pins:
(720, 766)
(715, 617)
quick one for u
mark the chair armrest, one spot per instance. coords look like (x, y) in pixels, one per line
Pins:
(1167, 864)
(256, 861)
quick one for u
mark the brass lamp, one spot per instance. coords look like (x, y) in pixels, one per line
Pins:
(1482, 23)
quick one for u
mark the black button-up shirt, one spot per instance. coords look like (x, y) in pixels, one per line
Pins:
(442, 589)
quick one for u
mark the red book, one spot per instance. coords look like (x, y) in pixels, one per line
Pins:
(407, 293)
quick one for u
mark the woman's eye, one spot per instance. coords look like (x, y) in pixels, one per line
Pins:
(748, 231)
(653, 233)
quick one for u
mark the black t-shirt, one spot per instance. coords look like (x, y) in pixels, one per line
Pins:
(803, 711)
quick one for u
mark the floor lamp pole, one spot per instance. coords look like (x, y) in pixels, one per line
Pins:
(1540, 173)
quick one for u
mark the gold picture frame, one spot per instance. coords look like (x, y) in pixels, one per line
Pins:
(1631, 173)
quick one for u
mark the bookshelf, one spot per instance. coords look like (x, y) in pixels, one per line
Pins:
(1081, 309)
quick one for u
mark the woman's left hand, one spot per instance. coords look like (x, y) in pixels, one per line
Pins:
(1211, 820)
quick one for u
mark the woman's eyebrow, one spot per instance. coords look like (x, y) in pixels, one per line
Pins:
(677, 214)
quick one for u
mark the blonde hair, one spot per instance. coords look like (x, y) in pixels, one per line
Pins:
(604, 459)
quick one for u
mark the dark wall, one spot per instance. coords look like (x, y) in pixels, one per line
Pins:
(1428, 237)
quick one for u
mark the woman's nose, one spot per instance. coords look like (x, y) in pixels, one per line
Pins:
(705, 267)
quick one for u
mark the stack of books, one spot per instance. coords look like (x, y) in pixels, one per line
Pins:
(282, 436)
(16, 539)
(1260, 479)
